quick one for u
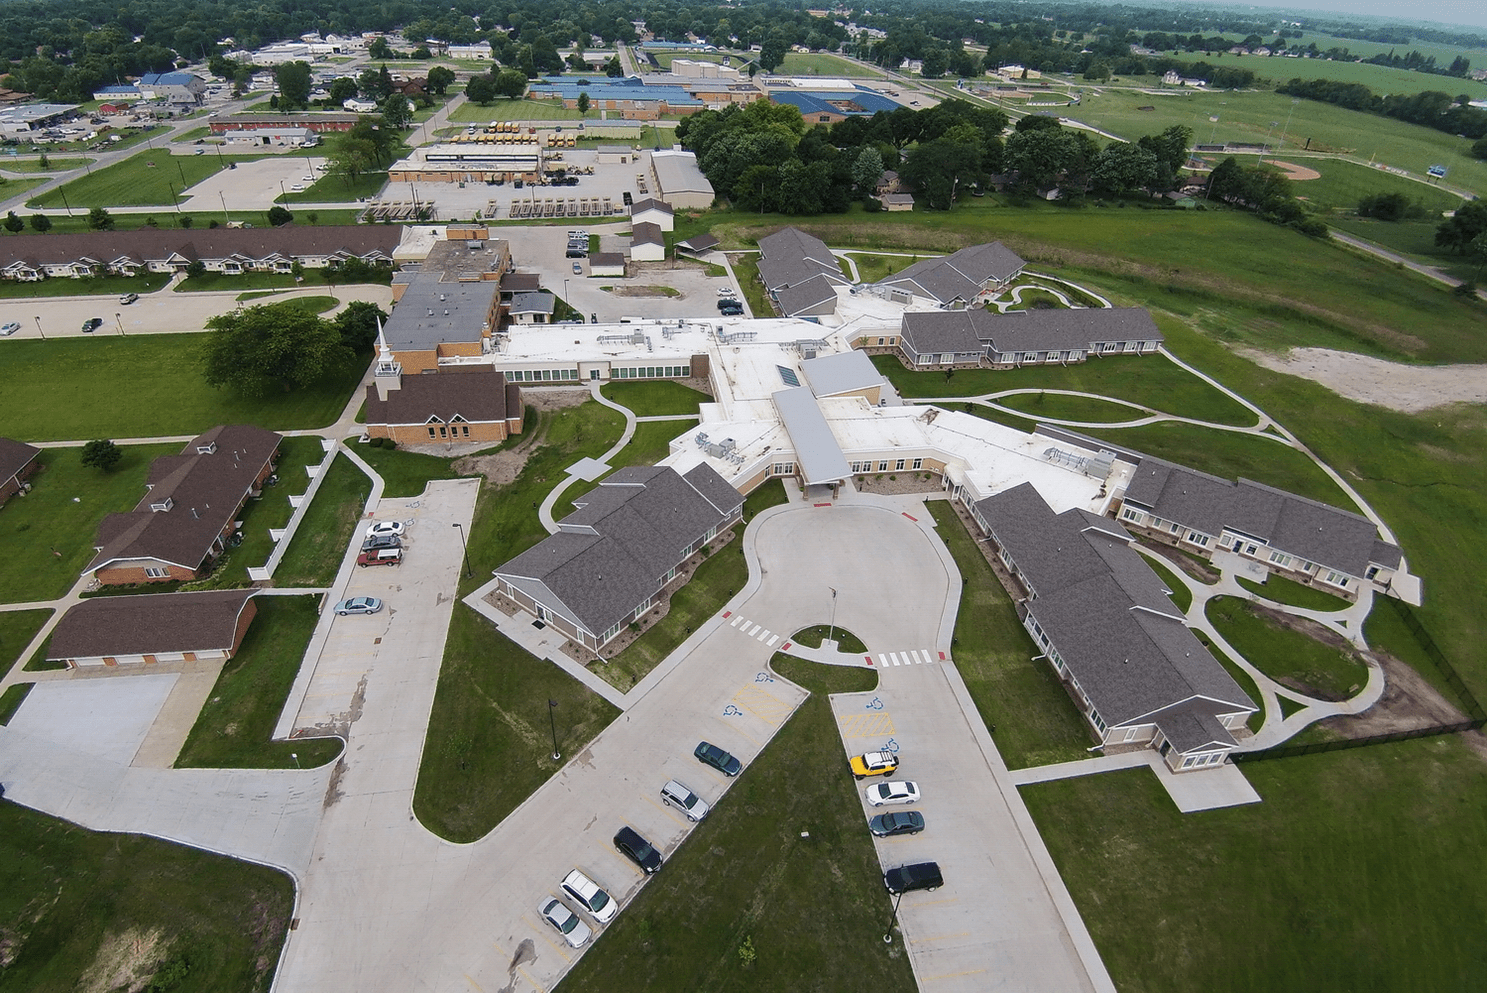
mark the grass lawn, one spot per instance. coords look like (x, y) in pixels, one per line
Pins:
(1067, 408)
(335, 188)
(81, 903)
(48, 521)
(745, 874)
(78, 222)
(820, 64)
(1354, 873)
(1288, 591)
(1413, 239)
(15, 187)
(655, 397)
(314, 555)
(54, 165)
(1380, 79)
(1150, 380)
(1036, 722)
(11, 700)
(746, 269)
(812, 637)
(488, 748)
(17, 628)
(90, 286)
(313, 304)
(224, 282)
(1181, 595)
(1286, 656)
(404, 474)
(236, 724)
(145, 179)
(65, 388)
(1343, 184)
(513, 110)
(1246, 683)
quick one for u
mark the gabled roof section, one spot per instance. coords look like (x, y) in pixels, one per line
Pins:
(15, 456)
(959, 277)
(844, 372)
(940, 332)
(152, 244)
(790, 257)
(817, 452)
(149, 624)
(647, 233)
(479, 397)
(815, 296)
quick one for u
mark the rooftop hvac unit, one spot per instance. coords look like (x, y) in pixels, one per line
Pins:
(1099, 465)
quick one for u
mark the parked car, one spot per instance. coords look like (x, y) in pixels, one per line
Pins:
(381, 541)
(727, 303)
(381, 556)
(556, 913)
(717, 758)
(128, 298)
(359, 605)
(874, 764)
(629, 843)
(896, 822)
(590, 896)
(898, 791)
(92, 324)
(10, 328)
(674, 794)
(577, 269)
(385, 527)
(734, 311)
(916, 876)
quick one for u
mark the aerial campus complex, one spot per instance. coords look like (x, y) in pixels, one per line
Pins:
(648, 546)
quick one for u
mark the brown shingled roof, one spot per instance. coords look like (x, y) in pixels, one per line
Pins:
(475, 397)
(15, 456)
(149, 624)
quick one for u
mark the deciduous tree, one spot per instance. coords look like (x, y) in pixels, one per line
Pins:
(101, 454)
(266, 348)
(293, 79)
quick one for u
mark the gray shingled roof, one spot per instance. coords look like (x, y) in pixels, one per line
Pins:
(1307, 528)
(476, 397)
(148, 625)
(817, 452)
(15, 456)
(959, 276)
(1057, 330)
(790, 257)
(939, 331)
(151, 244)
(808, 298)
(615, 549)
(537, 302)
(647, 233)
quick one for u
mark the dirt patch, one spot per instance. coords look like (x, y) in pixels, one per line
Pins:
(556, 399)
(1201, 571)
(125, 961)
(1394, 385)
(1295, 173)
(894, 483)
(501, 468)
(1409, 703)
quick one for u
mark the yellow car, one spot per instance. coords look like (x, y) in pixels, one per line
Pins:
(874, 764)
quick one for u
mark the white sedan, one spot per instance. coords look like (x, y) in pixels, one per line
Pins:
(10, 328)
(899, 791)
(556, 913)
(359, 605)
(587, 894)
(385, 528)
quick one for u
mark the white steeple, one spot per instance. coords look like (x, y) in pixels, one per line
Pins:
(389, 373)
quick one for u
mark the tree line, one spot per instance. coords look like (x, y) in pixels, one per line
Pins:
(1431, 109)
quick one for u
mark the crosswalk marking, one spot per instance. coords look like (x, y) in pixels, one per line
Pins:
(772, 640)
(917, 656)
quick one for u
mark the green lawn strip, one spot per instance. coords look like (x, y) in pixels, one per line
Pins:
(846, 641)
(11, 700)
(314, 554)
(768, 494)
(717, 578)
(1246, 683)
(77, 904)
(17, 628)
(70, 388)
(746, 271)
(650, 443)
(1036, 722)
(15, 187)
(235, 727)
(218, 282)
(77, 223)
(1181, 595)
(1287, 656)
(746, 877)
(1282, 590)
(144, 179)
(489, 746)
(46, 536)
(147, 282)
(513, 110)
(1354, 873)
(1069, 408)
(655, 397)
(54, 165)
(1230, 455)
(994, 415)
(1150, 380)
(1289, 707)
(1413, 239)
(338, 189)
(314, 304)
(404, 474)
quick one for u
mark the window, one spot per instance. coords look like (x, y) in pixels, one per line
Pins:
(1130, 514)
(443, 431)
(789, 468)
(918, 463)
(899, 465)
(1175, 528)
(880, 341)
(883, 466)
(465, 430)
(1338, 579)
(1201, 540)
(156, 572)
(1280, 558)
(431, 431)
(1130, 734)
(1248, 549)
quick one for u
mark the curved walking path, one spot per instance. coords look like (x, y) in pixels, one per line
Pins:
(589, 468)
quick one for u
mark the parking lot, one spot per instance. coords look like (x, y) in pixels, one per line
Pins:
(253, 185)
(612, 180)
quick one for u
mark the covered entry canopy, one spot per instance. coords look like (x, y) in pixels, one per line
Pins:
(817, 453)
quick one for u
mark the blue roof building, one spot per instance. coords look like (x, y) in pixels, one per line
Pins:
(830, 106)
(625, 95)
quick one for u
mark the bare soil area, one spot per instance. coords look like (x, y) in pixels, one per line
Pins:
(501, 468)
(1295, 173)
(894, 483)
(1408, 704)
(1394, 385)
(1201, 571)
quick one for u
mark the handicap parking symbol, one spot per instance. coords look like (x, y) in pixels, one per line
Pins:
(876, 703)
(891, 745)
(763, 677)
(732, 711)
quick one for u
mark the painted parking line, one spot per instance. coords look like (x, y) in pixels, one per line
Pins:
(525, 975)
(938, 937)
(866, 725)
(953, 975)
(766, 707)
(539, 929)
(667, 811)
(733, 729)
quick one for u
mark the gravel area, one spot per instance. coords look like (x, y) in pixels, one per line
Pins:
(1395, 385)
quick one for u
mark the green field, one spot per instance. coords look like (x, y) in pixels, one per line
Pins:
(17, 628)
(404, 474)
(235, 727)
(655, 398)
(66, 389)
(502, 109)
(1344, 183)
(1287, 656)
(1247, 117)
(54, 164)
(1070, 408)
(314, 554)
(1380, 79)
(11, 289)
(46, 537)
(332, 188)
(145, 179)
(821, 64)
(1355, 873)
(85, 910)
(789, 874)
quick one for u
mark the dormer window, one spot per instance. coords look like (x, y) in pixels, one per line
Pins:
(207, 449)
(163, 505)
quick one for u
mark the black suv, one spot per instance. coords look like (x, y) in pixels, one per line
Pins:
(92, 324)
(635, 848)
(377, 541)
(918, 876)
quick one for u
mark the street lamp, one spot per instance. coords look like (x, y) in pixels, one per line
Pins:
(282, 192)
(833, 614)
(551, 706)
(888, 931)
(295, 756)
(38, 327)
(225, 215)
(463, 545)
(120, 320)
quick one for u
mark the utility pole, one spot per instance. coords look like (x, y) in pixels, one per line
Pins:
(833, 614)
(551, 706)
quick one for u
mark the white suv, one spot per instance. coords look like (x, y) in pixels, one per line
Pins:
(674, 794)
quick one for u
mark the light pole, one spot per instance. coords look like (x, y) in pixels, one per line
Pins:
(225, 215)
(120, 320)
(283, 194)
(38, 327)
(295, 756)
(466, 549)
(1287, 129)
(833, 614)
(888, 931)
(551, 706)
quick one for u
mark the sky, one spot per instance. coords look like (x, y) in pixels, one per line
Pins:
(1468, 13)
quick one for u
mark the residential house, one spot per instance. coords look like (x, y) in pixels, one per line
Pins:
(654, 212)
(1305, 540)
(888, 183)
(18, 463)
(898, 201)
(461, 403)
(647, 243)
(153, 628)
(953, 282)
(616, 553)
(933, 339)
(1105, 623)
(190, 510)
(532, 308)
